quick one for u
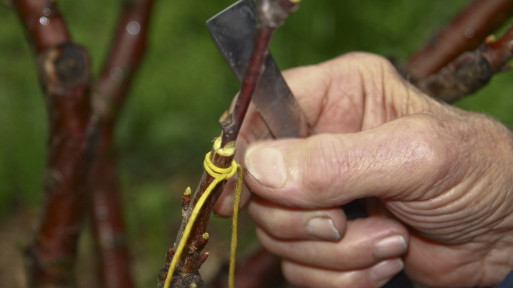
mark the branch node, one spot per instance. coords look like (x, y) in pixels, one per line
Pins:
(201, 242)
(490, 39)
(63, 67)
(186, 198)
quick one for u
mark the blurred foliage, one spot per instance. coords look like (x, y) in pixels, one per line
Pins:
(183, 87)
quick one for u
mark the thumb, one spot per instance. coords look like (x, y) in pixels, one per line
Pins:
(399, 160)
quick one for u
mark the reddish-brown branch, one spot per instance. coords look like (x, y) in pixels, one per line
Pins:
(466, 32)
(499, 52)
(124, 57)
(192, 258)
(110, 91)
(64, 76)
(78, 141)
(232, 126)
(271, 13)
(43, 23)
(107, 218)
(470, 71)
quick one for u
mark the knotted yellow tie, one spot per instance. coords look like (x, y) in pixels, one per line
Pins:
(218, 174)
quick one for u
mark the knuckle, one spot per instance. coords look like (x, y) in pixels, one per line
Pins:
(366, 57)
(428, 149)
(365, 61)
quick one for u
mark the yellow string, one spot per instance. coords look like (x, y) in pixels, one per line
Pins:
(233, 243)
(219, 174)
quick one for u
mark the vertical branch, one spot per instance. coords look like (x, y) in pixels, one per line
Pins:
(466, 32)
(64, 76)
(231, 124)
(125, 55)
(80, 140)
(43, 24)
(271, 14)
(110, 92)
(187, 271)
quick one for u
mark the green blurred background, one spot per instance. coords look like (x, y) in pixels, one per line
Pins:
(182, 89)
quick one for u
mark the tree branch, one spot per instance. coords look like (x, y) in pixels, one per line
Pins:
(498, 52)
(471, 71)
(124, 57)
(465, 32)
(271, 14)
(64, 76)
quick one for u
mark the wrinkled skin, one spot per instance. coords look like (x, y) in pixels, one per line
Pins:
(438, 183)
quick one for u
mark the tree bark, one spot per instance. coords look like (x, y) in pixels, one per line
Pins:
(271, 14)
(80, 157)
(64, 76)
(465, 32)
(110, 92)
(470, 71)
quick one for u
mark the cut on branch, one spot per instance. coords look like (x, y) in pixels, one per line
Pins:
(271, 14)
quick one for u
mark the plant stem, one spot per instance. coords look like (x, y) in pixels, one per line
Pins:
(231, 125)
(270, 15)
(125, 55)
(471, 71)
(80, 144)
(64, 76)
(465, 32)
(499, 52)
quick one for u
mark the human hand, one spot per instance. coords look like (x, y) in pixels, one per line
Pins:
(440, 182)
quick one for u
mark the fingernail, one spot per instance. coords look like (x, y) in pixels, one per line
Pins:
(383, 271)
(322, 228)
(389, 247)
(267, 166)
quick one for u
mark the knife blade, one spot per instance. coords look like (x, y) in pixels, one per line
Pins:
(233, 31)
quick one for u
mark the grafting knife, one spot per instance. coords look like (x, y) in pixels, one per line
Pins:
(233, 31)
